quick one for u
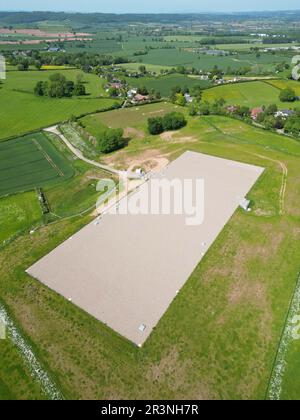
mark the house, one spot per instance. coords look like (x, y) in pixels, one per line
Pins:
(131, 93)
(137, 99)
(284, 113)
(204, 77)
(255, 113)
(232, 109)
(188, 98)
(54, 49)
(116, 85)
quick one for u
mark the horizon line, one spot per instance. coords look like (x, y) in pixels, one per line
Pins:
(150, 13)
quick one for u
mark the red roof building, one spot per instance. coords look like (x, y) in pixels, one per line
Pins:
(255, 113)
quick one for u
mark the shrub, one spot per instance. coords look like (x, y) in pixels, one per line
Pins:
(287, 95)
(142, 90)
(79, 89)
(155, 125)
(292, 125)
(59, 87)
(40, 89)
(173, 121)
(111, 140)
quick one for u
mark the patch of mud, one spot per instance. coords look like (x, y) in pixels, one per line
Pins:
(130, 133)
(173, 137)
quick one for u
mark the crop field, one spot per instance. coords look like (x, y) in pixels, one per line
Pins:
(250, 94)
(29, 162)
(165, 84)
(155, 68)
(22, 111)
(184, 57)
(229, 316)
(246, 47)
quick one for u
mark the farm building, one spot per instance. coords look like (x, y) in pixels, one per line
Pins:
(137, 99)
(255, 113)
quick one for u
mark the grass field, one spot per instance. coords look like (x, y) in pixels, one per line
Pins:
(252, 94)
(18, 213)
(183, 56)
(22, 111)
(29, 162)
(79, 192)
(220, 336)
(13, 371)
(283, 84)
(122, 118)
(165, 84)
(150, 67)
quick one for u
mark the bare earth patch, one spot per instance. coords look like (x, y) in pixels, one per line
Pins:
(173, 371)
(173, 137)
(149, 160)
(250, 291)
(130, 132)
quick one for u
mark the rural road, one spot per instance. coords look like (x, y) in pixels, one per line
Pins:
(54, 130)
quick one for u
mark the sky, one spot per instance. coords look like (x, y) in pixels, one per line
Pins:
(148, 6)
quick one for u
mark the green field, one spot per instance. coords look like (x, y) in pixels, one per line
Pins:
(227, 334)
(129, 117)
(29, 162)
(185, 57)
(18, 213)
(22, 111)
(14, 371)
(150, 67)
(283, 84)
(228, 317)
(165, 84)
(251, 94)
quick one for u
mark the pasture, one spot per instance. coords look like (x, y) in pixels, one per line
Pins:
(129, 117)
(29, 162)
(230, 314)
(22, 111)
(18, 213)
(14, 371)
(251, 94)
(155, 68)
(283, 84)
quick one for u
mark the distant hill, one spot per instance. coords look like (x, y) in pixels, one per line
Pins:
(31, 18)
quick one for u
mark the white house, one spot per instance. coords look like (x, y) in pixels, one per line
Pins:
(188, 98)
(284, 113)
(131, 93)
